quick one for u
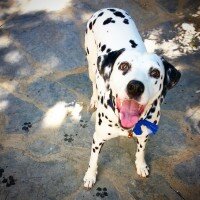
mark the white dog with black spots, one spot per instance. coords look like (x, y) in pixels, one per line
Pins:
(129, 84)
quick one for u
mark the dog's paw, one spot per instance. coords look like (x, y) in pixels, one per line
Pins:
(89, 179)
(93, 103)
(142, 169)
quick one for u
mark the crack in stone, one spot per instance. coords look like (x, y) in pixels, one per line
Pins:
(177, 192)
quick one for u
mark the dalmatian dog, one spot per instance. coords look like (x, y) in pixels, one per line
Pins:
(129, 84)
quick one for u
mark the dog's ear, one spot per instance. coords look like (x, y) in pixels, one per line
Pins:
(172, 75)
(106, 62)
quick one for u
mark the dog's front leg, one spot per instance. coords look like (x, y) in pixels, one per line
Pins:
(141, 166)
(90, 175)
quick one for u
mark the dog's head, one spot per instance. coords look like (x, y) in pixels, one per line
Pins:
(136, 80)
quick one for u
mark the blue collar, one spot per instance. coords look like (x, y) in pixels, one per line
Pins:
(143, 122)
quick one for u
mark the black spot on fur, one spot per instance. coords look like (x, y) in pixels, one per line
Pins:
(102, 114)
(87, 50)
(106, 117)
(152, 110)
(102, 100)
(100, 121)
(160, 86)
(145, 140)
(110, 125)
(103, 47)
(109, 20)
(93, 150)
(90, 25)
(110, 121)
(133, 44)
(155, 122)
(111, 101)
(100, 14)
(108, 50)
(155, 102)
(93, 141)
(156, 82)
(94, 21)
(105, 106)
(158, 113)
(109, 133)
(138, 150)
(149, 117)
(100, 143)
(99, 44)
(126, 21)
(98, 60)
(101, 148)
(114, 101)
(118, 14)
(86, 31)
(112, 10)
(137, 142)
(116, 124)
(140, 146)
(96, 147)
(99, 114)
(98, 97)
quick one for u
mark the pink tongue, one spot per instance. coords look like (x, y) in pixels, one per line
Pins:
(129, 114)
(128, 121)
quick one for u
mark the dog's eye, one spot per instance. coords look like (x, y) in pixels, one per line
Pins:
(155, 73)
(124, 66)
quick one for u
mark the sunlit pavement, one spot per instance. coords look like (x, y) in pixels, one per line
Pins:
(46, 129)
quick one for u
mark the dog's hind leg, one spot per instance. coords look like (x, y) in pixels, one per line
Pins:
(94, 100)
(91, 52)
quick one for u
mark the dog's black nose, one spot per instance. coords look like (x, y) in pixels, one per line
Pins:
(135, 89)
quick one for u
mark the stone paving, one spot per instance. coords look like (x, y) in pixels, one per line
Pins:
(46, 128)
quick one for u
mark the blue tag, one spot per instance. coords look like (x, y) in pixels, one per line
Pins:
(151, 126)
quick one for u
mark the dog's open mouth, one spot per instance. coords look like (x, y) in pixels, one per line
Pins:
(129, 112)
